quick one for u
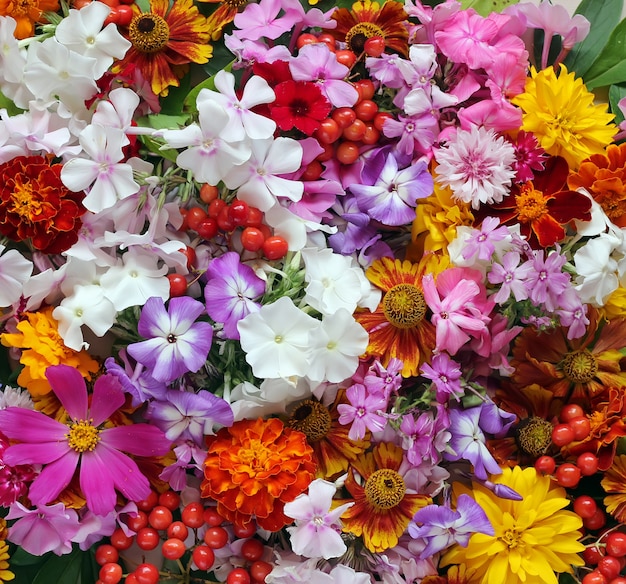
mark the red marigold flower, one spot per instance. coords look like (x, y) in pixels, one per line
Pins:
(299, 104)
(253, 468)
(35, 205)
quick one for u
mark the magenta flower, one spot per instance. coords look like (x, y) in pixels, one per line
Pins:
(82, 443)
(363, 412)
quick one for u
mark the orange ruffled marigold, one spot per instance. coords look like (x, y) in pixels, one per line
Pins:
(253, 468)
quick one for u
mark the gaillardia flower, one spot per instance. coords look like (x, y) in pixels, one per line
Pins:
(253, 468)
(534, 538)
(165, 40)
(560, 112)
(614, 484)
(398, 327)
(35, 205)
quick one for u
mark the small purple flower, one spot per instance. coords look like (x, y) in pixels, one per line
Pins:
(446, 375)
(135, 381)
(424, 438)
(482, 241)
(511, 277)
(176, 343)
(363, 411)
(384, 380)
(547, 282)
(230, 292)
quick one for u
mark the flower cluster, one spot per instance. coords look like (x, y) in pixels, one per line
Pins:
(330, 292)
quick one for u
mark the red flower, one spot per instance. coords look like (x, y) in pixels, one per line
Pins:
(299, 104)
(36, 205)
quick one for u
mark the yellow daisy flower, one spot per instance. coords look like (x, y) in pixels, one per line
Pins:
(5, 574)
(534, 540)
(559, 111)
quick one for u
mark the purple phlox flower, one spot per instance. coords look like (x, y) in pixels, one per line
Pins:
(572, 313)
(424, 438)
(547, 282)
(365, 411)
(468, 442)
(493, 346)
(511, 276)
(442, 527)
(445, 373)
(82, 443)
(136, 380)
(318, 197)
(185, 415)
(94, 527)
(355, 228)
(502, 491)
(250, 52)
(387, 69)
(415, 133)
(176, 343)
(392, 199)
(262, 19)
(43, 529)
(384, 380)
(494, 420)
(230, 292)
(188, 457)
(482, 241)
(492, 115)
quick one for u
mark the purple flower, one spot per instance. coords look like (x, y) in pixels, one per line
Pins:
(425, 437)
(82, 442)
(546, 281)
(442, 527)
(135, 381)
(384, 380)
(445, 374)
(230, 292)
(362, 411)
(176, 343)
(482, 241)
(189, 416)
(511, 277)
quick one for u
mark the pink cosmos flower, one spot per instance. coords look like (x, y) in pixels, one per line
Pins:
(82, 442)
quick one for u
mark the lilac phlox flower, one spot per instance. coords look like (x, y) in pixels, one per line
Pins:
(185, 415)
(176, 343)
(317, 530)
(43, 529)
(262, 19)
(547, 282)
(136, 380)
(445, 373)
(364, 411)
(493, 346)
(355, 228)
(384, 380)
(189, 457)
(572, 313)
(494, 420)
(442, 527)
(468, 442)
(82, 443)
(481, 241)
(511, 276)
(392, 199)
(230, 292)
(415, 133)
(387, 69)
(424, 438)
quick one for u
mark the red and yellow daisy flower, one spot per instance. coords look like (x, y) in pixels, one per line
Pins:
(164, 42)
(223, 15)
(383, 506)
(614, 484)
(398, 327)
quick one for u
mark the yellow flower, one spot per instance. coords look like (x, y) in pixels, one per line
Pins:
(560, 112)
(43, 346)
(615, 305)
(5, 573)
(534, 538)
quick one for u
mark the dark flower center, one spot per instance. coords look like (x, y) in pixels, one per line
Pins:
(148, 32)
(534, 436)
(404, 306)
(312, 419)
(385, 488)
(359, 33)
(579, 366)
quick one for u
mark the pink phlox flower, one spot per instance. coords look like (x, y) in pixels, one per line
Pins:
(481, 241)
(384, 380)
(416, 135)
(431, 19)
(492, 115)
(262, 20)
(491, 348)
(511, 276)
(547, 281)
(82, 443)
(446, 374)
(250, 52)
(388, 70)
(364, 412)
(506, 77)
(189, 457)
(423, 439)
(572, 313)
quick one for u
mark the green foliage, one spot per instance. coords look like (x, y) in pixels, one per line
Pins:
(486, 7)
(616, 93)
(6, 103)
(77, 567)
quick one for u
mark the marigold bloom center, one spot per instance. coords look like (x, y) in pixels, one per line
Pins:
(384, 489)
(531, 204)
(579, 366)
(148, 32)
(83, 435)
(534, 436)
(312, 419)
(359, 33)
(404, 306)
(23, 201)
(21, 8)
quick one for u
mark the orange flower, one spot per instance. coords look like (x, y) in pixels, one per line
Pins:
(367, 19)
(398, 327)
(382, 506)
(164, 42)
(576, 369)
(604, 178)
(26, 13)
(614, 483)
(253, 468)
(223, 15)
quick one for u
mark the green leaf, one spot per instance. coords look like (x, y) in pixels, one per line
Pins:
(610, 66)
(64, 569)
(616, 93)
(164, 121)
(486, 7)
(603, 17)
(189, 104)
(21, 557)
(7, 104)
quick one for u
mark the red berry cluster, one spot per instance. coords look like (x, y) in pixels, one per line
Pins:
(121, 10)
(608, 558)
(192, 533)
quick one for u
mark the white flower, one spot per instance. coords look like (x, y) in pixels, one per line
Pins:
(15, 397)
(597, 270)
(15, 271)
(117, 111)
(276, 339)
(317, 530)
(294, 228)
(248, 401)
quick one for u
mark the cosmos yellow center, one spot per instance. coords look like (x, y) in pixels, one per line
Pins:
(83, 436)
(148, 32)
(359, 33)
(531, 204)
(384, 489)
(534, 436)
(579, 366)
(404, 306)
(312, 419)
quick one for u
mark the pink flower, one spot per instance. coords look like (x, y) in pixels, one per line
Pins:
(61, 448)
(363, 412)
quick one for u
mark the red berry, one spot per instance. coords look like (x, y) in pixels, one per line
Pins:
(366, 110)
(545, 465)
(347, 152)
(374, 46)
(207, 228)
(581, 427)
(618, 580)
(594, 577)
(106, 554)
(306, 39)
(585, 507)
(178, 530)
(366, 88)
(609, 567)
(160, 518)
(192, 514)
(169, 499)
(616, 544)
(252, 550)
(224, 220)
(215, 206)
(208, 193)
(238, 576)
(562, 435)
(346, 57)
(571, 411)
(252, 239)
(259, 570)
(136, 521)
(153, 498)
(587, 462)
(173, 549)
(121, 541)
(597, 521)
(592, 554)
(344, 116)
(194, 216)
(568, 475)
(148, 538)
(244, 531)
(238, 212)
(203, 557)
(124, 15)
(146, 574)
(216, 537)
(110, 573)
(178, 285)
(211, 517)
(275, 247)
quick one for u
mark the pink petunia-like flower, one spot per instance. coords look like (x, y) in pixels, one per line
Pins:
(82, 443)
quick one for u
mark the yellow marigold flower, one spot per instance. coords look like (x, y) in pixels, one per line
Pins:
(43, 346)
(534, 540)
(27, 13)
(559, 111)
(5, 574)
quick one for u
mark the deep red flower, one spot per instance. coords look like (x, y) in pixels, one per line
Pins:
(274, 73)
(299, 104)
(35, 205)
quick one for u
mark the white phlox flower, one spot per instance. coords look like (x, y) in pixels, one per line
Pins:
(15, 271)
(293, 228)
(597, 270)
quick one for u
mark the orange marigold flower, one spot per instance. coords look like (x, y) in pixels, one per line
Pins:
(26, 13)
(576, 369)
(398, 327)
(164, 42)
(383, 504)
(604, 178)
(35, 205)
(38, 337)
(368, 19)
(614, 483)
(253, 468)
